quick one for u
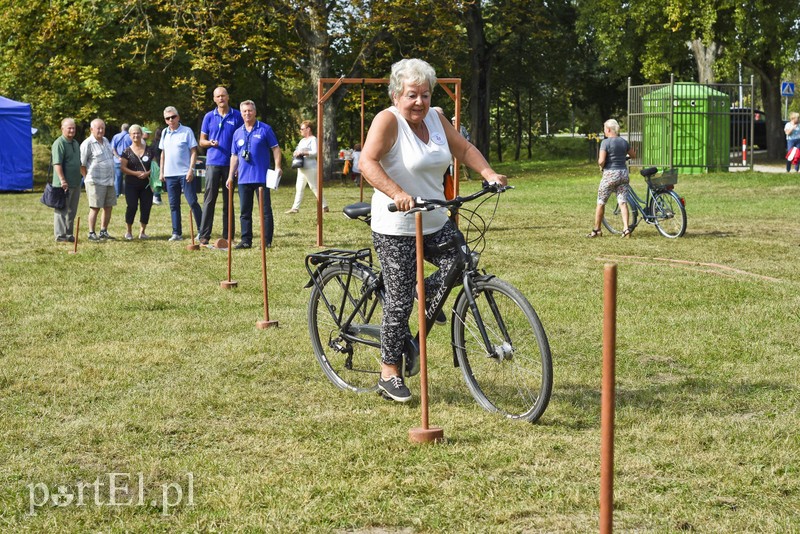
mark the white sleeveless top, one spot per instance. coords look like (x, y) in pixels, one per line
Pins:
(419, 169)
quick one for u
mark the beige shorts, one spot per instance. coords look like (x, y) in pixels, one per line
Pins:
(101, 196)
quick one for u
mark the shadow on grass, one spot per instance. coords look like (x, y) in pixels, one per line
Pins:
(578, 406)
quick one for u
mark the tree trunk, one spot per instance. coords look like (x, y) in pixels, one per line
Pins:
(481, 58)
(704, 56)
(316, 35)
(518, 133)
(769, 79)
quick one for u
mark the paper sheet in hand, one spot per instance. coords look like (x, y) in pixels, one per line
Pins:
(273, 179)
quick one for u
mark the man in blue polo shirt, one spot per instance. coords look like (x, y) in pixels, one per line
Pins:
(216, 135)
(250, 158)
(178, 154)
(119, 143)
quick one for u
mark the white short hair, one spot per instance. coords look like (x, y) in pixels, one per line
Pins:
(415, 71)
(612, 125)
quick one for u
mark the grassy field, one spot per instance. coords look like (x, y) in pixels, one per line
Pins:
(133, 384)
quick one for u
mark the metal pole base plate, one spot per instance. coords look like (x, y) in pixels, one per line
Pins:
(228, 284)
(193, 247)
(263, 325)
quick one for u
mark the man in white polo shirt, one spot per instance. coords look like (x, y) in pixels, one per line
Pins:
(178, 154)
(97, 165)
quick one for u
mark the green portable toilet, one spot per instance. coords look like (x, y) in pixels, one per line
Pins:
(691, 121)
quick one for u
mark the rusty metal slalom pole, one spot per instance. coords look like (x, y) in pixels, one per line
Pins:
(426, 433)
(76, 234)
(228, 284)
(607, 399)
(266, 323)
(193, 246)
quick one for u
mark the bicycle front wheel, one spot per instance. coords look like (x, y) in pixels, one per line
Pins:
(612, 219)
(351, 356)
(515, 377)
(669, 214)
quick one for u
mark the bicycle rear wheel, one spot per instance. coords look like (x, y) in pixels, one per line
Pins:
(351, 364)
(516, 380)
(612, 218)
(669, 214)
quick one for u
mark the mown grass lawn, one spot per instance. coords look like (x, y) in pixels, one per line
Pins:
(129, 358)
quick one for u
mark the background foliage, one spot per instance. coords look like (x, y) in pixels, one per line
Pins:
(528, 68)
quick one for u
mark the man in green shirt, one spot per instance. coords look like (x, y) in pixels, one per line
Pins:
(66, 157)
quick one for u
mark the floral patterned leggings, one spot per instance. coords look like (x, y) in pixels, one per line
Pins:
(615, 181)
(398, 259)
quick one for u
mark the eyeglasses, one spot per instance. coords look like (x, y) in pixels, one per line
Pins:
(170, 117)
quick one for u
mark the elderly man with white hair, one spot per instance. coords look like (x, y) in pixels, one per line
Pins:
(97, 165)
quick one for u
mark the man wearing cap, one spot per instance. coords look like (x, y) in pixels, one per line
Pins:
(216, 135)
(119, 143)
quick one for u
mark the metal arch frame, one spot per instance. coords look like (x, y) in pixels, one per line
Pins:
(323, 95)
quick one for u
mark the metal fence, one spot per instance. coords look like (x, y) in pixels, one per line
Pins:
(692, 127)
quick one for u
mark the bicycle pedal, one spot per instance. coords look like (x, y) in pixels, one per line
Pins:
(383, 395)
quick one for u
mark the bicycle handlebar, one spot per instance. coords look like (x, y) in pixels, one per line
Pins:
(430, 204)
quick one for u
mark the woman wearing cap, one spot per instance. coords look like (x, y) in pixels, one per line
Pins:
(135, 163)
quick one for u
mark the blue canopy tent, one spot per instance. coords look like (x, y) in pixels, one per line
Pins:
(16, 146)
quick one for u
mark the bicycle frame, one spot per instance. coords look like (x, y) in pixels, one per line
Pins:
(349, 258)
(642, 205)
(464, 269)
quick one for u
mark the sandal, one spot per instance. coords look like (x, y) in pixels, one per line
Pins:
(597, 232)
(627, 232)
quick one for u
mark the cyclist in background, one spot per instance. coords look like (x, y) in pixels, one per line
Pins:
(407, 150)
(612, 161)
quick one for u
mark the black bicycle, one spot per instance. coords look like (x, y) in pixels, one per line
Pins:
(663, 207)
(497, 338)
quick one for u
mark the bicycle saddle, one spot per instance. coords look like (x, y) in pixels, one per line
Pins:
(648, 172)
(357, 210)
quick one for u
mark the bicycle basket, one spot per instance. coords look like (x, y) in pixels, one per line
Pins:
(669, 177)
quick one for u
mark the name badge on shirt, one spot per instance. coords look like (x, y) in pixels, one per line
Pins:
(240, 142)
(145, 158)
(438, 138)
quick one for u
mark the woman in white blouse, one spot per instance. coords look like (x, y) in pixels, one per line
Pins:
(307, 174)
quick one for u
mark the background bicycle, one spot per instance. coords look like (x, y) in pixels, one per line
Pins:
(662, 206)
(496, 336)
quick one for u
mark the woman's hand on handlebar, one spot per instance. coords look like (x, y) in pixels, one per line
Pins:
(496, 178)
(403, 201)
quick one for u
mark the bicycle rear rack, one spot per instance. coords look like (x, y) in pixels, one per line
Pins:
(336, 254)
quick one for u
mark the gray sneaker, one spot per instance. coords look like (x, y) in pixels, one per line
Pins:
(93, 237)
(394, 388)
(176, 237)
(104, 235)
